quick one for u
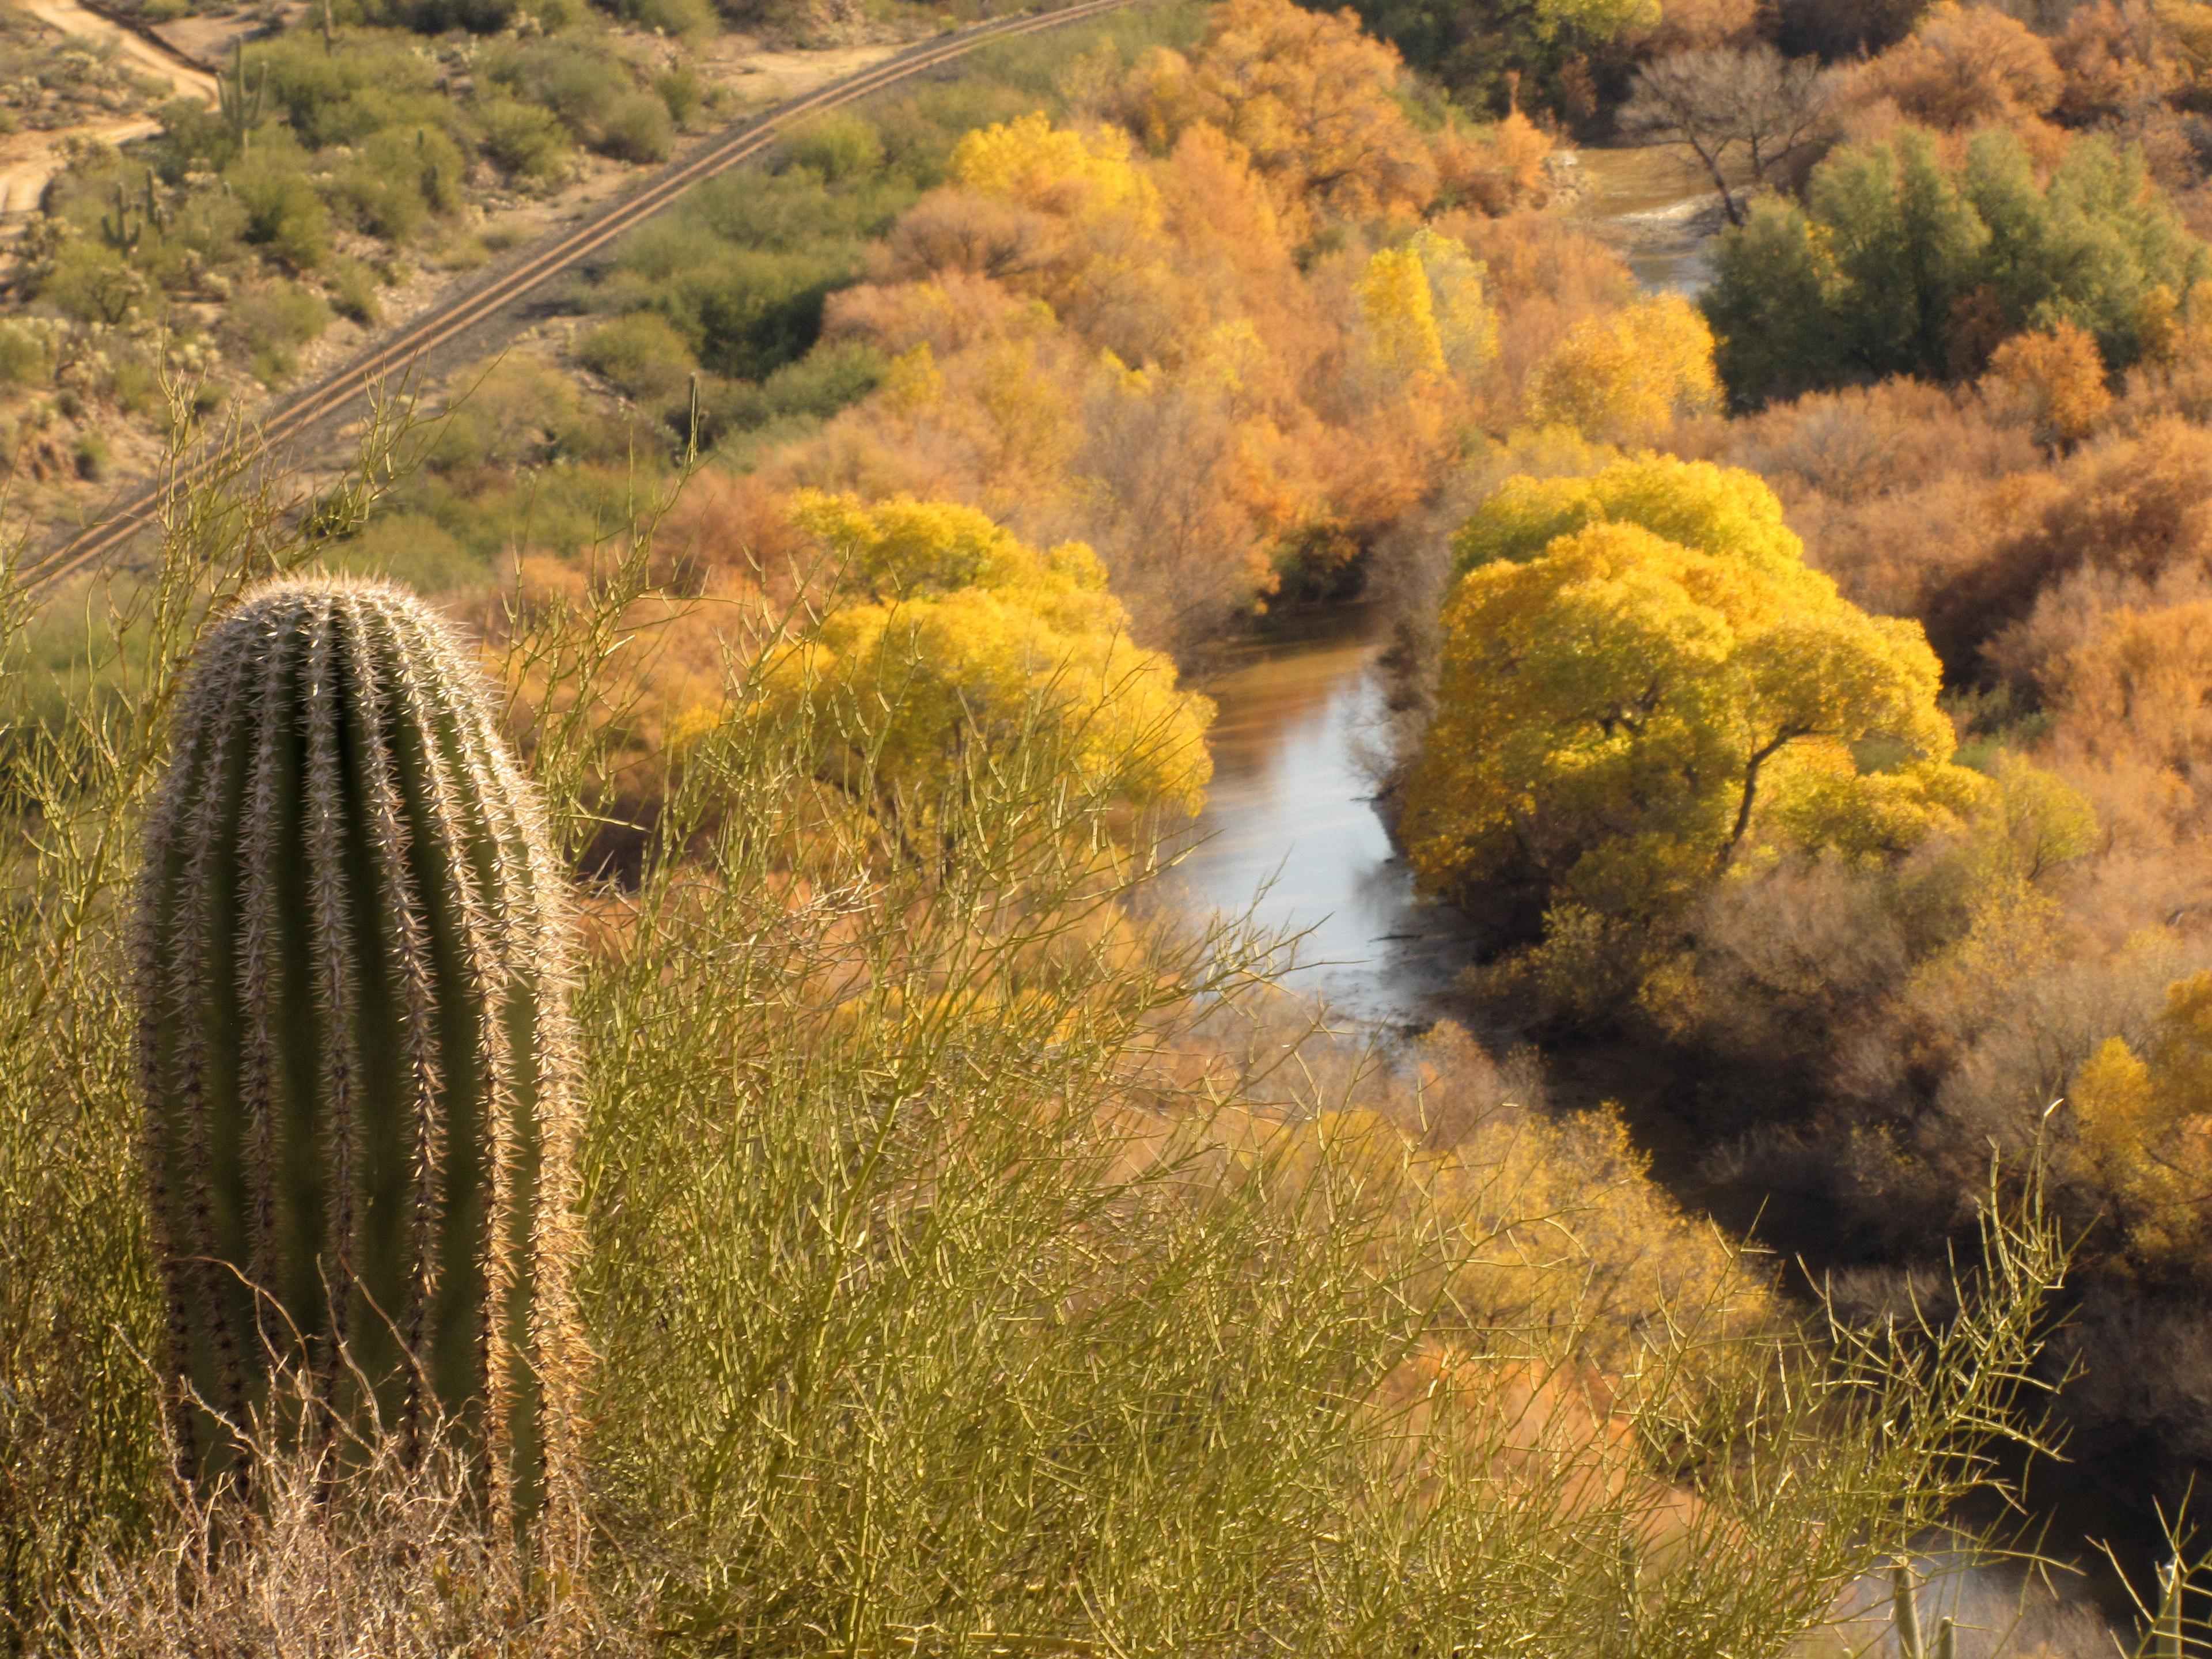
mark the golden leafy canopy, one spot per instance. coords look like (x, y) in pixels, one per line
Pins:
(2143, 1129)
(1309, 97)
(957, 638)
(1422, 307)
(1719, 510)
(1608, 709)
(1627, 376)
(1054, 169)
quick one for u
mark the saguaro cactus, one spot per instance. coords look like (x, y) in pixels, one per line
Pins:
(354, 1046)
(1905, 1616)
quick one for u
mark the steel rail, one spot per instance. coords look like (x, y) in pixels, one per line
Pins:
(408, 347)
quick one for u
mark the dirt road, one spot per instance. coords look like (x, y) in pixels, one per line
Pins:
(29, 161)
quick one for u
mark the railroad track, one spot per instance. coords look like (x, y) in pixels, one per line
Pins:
(408, 348)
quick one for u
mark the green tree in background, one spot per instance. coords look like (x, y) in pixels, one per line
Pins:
(1478, 51)
(1898, 264)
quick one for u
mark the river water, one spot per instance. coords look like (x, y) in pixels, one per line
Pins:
(1289, 831)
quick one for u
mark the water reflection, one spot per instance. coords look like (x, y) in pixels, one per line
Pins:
(1290, 829)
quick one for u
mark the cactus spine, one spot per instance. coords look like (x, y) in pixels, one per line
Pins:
(355, 1048)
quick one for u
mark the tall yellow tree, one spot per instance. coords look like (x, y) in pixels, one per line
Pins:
(1722, 510)
(1037, 165)
(1424, 310)
(1610, 712)
(950, 638)
(2143, 1134)
(1399, 313)
(1627, 376)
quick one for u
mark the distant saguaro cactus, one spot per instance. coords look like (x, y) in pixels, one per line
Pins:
(355, 1046)
(1906, 1618)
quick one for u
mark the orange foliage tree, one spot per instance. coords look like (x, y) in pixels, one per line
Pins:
(1308, 95)
(2059, 375)
(1964, 67)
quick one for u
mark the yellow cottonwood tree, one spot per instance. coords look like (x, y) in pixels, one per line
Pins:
(1399, 313)
(1627, 376)
(1423, 309)
(1467, 327)
(1037, 165)
(1722, 510)
(1609, 711)
(2143, 1133)
(956, 637)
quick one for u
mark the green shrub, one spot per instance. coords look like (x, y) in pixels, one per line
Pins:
(95, 454)
(212, 223)
(641, 353)
(135, 383)
(94, 283)
(685, 91)
(284, 212)
(783, 408)
(580, 86)
(271, 322)
(742, 269)
(523, 141)
(840, 146)
(401, 177)
(637, 128)
(684, 19)
(193, 133)
(555, 15)
(353, 291)
(1898, 264)
(26, 355)
(344, 94)
(437, 16)
(792, 212)
(825, 380)
(516, 411)
(416, 550)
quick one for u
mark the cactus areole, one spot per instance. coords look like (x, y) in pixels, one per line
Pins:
(354, 1043)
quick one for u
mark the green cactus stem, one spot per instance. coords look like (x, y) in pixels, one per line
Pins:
(119, 233)
(239, 99)
(355, 1048)
(2166, 1627)
(1904, 1615)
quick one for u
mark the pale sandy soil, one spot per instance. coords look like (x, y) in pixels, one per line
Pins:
(764, 74)
(67, 18)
